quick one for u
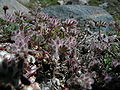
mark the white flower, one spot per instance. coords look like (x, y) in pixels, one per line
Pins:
(56, 81)
(2, 53)
(6, 55)
(31, 59)
(32, 79)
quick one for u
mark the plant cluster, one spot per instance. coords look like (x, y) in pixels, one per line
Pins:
(43, 52)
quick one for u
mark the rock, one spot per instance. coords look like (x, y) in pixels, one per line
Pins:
(105, 4)
(81, 2)
(13, 5)
(61, 2)
(73, 2)
(24, 1)
(79, 12)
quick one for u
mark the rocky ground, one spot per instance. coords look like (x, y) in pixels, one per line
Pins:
(12, 5)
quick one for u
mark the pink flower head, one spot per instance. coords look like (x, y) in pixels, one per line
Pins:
(70, 22)
(43, 17)
(58, 42)
(54, 22)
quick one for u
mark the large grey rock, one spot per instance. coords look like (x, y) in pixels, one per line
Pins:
(80, 12)
(13, 6)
